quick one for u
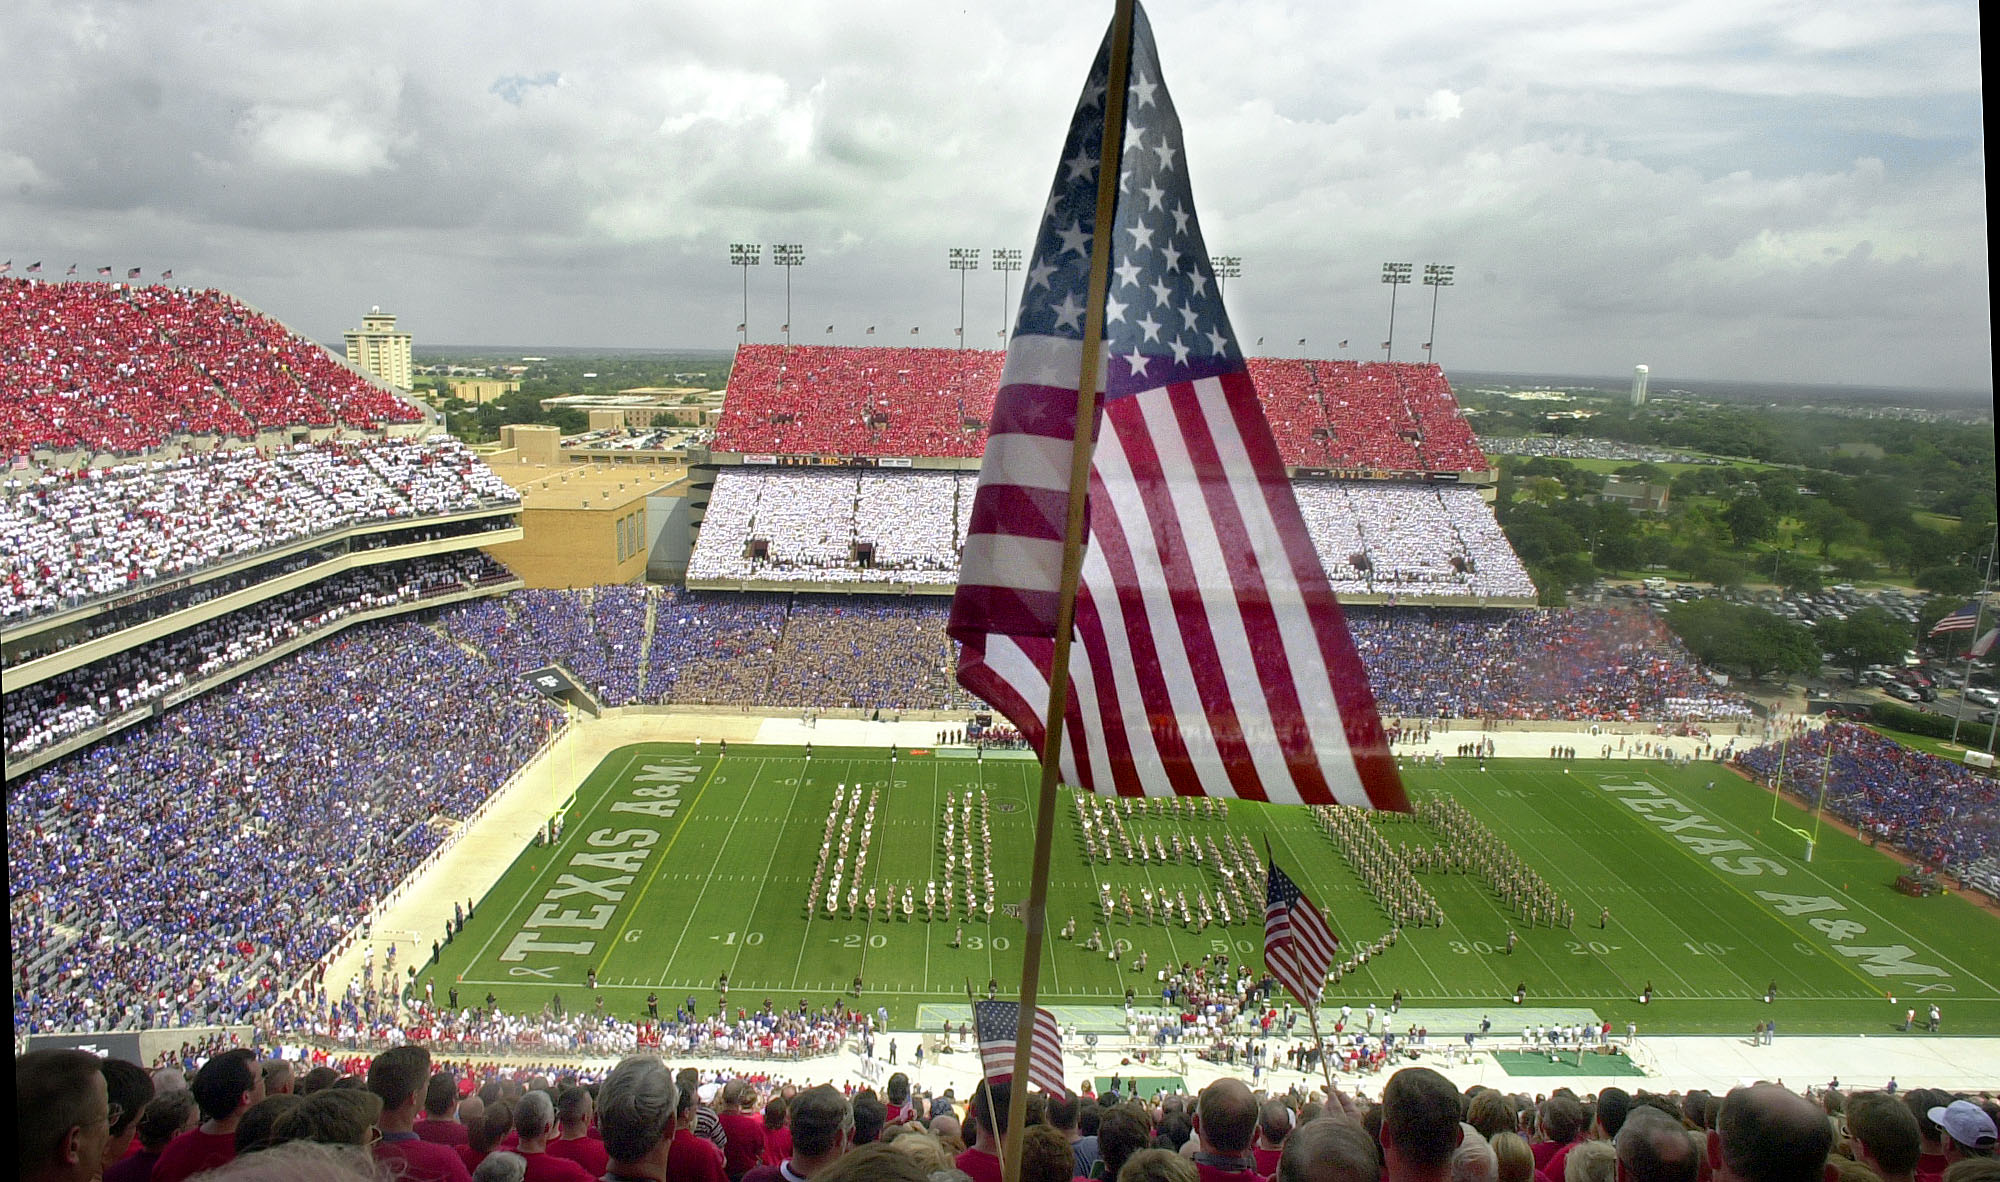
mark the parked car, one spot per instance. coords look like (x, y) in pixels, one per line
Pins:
(1981, 696)
(1897, 689)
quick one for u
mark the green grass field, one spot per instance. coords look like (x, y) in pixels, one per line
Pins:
(675, 868)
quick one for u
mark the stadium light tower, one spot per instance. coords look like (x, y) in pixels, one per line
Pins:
(1395, 275)
(1005, 260)
(1436, 275)
(788, 255)
(1227, 267)
(745, 255)
(962, 260)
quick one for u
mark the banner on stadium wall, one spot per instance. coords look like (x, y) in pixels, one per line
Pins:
(104, 1046)
(893, 462)
(760, 459)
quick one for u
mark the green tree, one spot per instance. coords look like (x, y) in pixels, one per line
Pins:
(1798, 574)
(1948, 580)
(1750, 519)
(1743, 638)
(1870, 636)
(1825, 522)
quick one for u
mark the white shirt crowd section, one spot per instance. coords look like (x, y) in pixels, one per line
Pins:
(808, 526)
(1416, 541)
(1411, 540)
(70, 537)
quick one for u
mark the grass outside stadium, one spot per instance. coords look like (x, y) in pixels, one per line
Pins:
(675, 866)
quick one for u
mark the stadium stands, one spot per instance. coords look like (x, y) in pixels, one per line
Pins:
(71, 537)
(861, 526)
(51, 711)
(156, 878)
(824, 401)
(1915, 801)
(110, 369)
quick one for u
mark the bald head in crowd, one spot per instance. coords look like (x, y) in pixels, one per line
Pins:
(1652, 1147)
(1228, 1116)
(1330, 1149)
(1769, 1134)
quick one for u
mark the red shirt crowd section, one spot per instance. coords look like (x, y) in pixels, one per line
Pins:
(835, 401)
(118, 369)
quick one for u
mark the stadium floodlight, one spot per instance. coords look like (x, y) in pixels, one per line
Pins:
(962, 259)
(745, 255)
(1227, 267)
(788, 255)
(1436, 275)
(1006, 260)
(1395, 275)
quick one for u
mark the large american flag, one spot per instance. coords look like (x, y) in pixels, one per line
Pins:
(1209, 657)
(998, 1024)
(1298, 946)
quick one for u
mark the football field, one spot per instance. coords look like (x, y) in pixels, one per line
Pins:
(675, 867)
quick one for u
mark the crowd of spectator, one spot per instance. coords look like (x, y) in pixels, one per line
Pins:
(827, 401)
(67, 537)
(83, 699)
(863, 526)
(400, 1114)
(372, 743)
(1572, 663)
(1411, 541)
(1940, 812)
(113, 369)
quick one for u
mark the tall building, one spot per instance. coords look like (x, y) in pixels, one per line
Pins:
(377, 348)
(1639, 374)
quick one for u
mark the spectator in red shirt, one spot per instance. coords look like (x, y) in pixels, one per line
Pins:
(1561, 1120)
(821, 1125)
(496, 1121)
(742, 1129)
(440, 1124)
(897, 1097)
(1419, 1126)
(573, 1111)
(989, 1104)
(129, 1088)
(777, 1137)
(534, 1120)
(1769, 1134)
(635, 1115)
(400, 1077)
(1274, 1124)
(167, 1116)
(225, 1088)
(692, 1157)
(1225, 1120)
(65, 1115)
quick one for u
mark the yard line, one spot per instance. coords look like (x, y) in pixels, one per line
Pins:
(741, 802)
(751, 914)
(506, 922)
(1292, 853)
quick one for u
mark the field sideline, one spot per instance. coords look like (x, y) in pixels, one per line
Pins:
(676, 867)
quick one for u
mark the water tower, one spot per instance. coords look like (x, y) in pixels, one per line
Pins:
(1639, 373)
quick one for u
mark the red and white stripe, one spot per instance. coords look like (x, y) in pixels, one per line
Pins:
(1210, 657)
(1045, 1057)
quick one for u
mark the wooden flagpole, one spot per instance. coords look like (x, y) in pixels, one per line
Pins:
(991, 1117)
(1319, 1046)
(1110, 157)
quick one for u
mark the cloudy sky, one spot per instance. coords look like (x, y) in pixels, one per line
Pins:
(1787, 190)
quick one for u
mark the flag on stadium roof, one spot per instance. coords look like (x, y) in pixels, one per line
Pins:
(35, 268)
(829, 328)
(167, 274)
(871, 330)
(742, 327)
(1302, 342)
(104, 270)
(1965, 619)
(1209, 656)
(1343, 342)
(72, 269)
(913, 331)
(998, 1024)
(133, 273)
(786, 327)
(6, 266)
(1298, 946)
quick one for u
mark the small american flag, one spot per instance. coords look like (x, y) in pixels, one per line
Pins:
(104, 270)
(1209, 656)
(1298, 946)
(132, 273)
(1965, 619)
(998, 1023)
